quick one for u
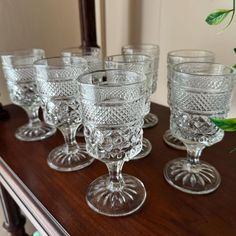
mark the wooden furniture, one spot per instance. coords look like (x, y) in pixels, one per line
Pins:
(88, 23)
(3, 113)
(55, 201)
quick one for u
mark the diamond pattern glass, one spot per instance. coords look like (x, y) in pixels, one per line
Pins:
(153, 51)
(140, 64)
(20, 75)
(199, 91)
(176, 57)
(59, 92)
(93, 57)
(113, 107)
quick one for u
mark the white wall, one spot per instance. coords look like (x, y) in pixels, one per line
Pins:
(172, 24)
(131, 22)
(48, 24)
(116, 25)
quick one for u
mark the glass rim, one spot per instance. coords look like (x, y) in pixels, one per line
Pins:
(174, 53)
(86, 83)
(147, 46)
(82, 48)
(176, 68)
(82, 51)
(38, 64)
(148, 58)
(21, 54)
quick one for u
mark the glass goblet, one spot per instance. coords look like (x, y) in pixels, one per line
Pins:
(19, 73)
(113, 107)
(176, 57)
(153, 51)
(199, 91)
(140, 64)
(58, 89)
(93, 57)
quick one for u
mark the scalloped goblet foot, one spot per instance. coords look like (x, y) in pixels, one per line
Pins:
(37, 132)
(61, 160)
(201, 178)
(103, 199)
(150, 120)
(146, 149)
(172, 141)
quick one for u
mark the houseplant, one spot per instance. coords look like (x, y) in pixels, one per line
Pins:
(216, 18)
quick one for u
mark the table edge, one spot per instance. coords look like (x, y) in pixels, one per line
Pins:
(38, 215)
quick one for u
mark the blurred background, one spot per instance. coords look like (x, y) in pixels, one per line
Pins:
(55, 24)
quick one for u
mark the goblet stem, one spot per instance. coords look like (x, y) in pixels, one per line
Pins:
(33, 114)
(35, 129)
(116, 194)
(194, 152)
(69, 134)
(116, 181)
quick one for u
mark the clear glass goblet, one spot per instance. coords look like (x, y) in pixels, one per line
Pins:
(113, 107)
(153, 51)
(19, 73)
(199, 91)
(176, 57)
(140, 64)
(59, 92)
(93, 57)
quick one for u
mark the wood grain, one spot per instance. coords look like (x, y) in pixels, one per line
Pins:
(166, 211)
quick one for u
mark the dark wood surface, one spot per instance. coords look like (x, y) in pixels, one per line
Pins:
(3, 113)
(166, 211)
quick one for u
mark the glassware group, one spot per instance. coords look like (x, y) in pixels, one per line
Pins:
(140, 64)
(153, 51)
(94, 60)
(113, 106)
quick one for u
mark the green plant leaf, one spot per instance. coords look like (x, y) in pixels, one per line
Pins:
(234, 50)
(234, 66)
(225, 124)
(218, 16)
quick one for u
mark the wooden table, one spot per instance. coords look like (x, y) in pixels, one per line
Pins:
(55, 201)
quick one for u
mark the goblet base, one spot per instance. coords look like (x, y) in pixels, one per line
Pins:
(80, 131)
(110, 202)
(201, 178)
(34, 133)
(172, 141)
(61, 160)
(146, 149)
(150, 120)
